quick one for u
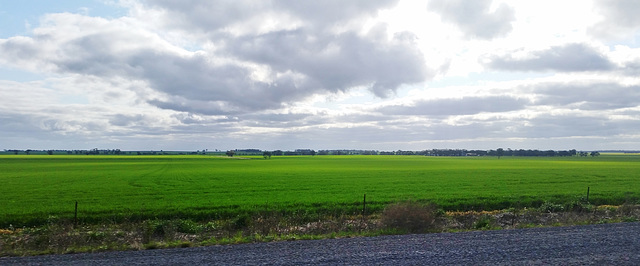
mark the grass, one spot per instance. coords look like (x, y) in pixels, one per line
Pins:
(39, 188)
(60, 237)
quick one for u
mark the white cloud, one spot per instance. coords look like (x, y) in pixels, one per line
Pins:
(569, 57)
(475, 18)
(359, 74)
(619, 19)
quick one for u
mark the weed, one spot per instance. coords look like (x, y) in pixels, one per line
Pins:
(410, 216)
(151, 245)
(579, 205)
(241, 221)
(627, 209)
(551, 207)
(484, 222)
(188, 227)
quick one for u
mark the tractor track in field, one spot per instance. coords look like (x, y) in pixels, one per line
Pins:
(605, 244)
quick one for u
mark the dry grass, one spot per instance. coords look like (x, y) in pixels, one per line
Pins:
(410, 216)
(404, 217)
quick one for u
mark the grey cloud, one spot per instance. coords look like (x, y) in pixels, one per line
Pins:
(620, 18)
(333, 12)
(474, 17)
(550, 126)
(396, 133)
(192, 81)
(462, 106)
(182, 105)
(327, 62)
(570, 58)
(22, 51)
(400, 134)
(127, 120)
(211, 17)
(17, 125)
(632, 68)
(23, 131)
(302, 62)
(191, 119)
(587, 96)
(206, 15)
(278, 120)
(336, 63)
(543, 126)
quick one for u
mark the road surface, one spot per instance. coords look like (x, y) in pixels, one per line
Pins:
(607, 244)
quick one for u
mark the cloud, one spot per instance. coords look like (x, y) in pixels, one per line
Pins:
(461, 106)
(553, 126)
(574, 57)
(246, 71)
(475, 18)
(587, 95)
(620, 19)
(336, 62)
(323, 75)
(256, 17)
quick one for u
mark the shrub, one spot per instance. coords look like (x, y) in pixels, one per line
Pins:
(551, 207)
(579, 205)
(410, 216)
(241, 221)
(483, 222)
(188, 227)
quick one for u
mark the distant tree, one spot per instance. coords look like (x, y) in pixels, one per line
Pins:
(230, 153)
(267, 154)
(550, 153)
(50, 152)
(27, 152)
(313, 153)
(499, 152)
(594, 154)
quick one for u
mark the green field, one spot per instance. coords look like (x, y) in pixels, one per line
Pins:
(36, 187)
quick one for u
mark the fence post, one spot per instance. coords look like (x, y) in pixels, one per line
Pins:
(364, 205)
(587, 194)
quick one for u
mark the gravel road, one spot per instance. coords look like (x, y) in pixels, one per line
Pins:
(607, 244)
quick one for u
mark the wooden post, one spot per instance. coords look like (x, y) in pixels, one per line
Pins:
(75, 215)
(587, 194)
(364, 205)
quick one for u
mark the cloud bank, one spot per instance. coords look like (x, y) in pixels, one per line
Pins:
(383, 75)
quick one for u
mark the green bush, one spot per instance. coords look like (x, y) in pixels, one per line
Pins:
(241, 221)
(551, 207)
(579, 205)
(483, 222)
(188, 227)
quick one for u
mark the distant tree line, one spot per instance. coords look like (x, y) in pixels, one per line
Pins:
(440, 152)
(309, 152)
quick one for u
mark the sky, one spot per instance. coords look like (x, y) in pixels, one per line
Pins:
(360, 74)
